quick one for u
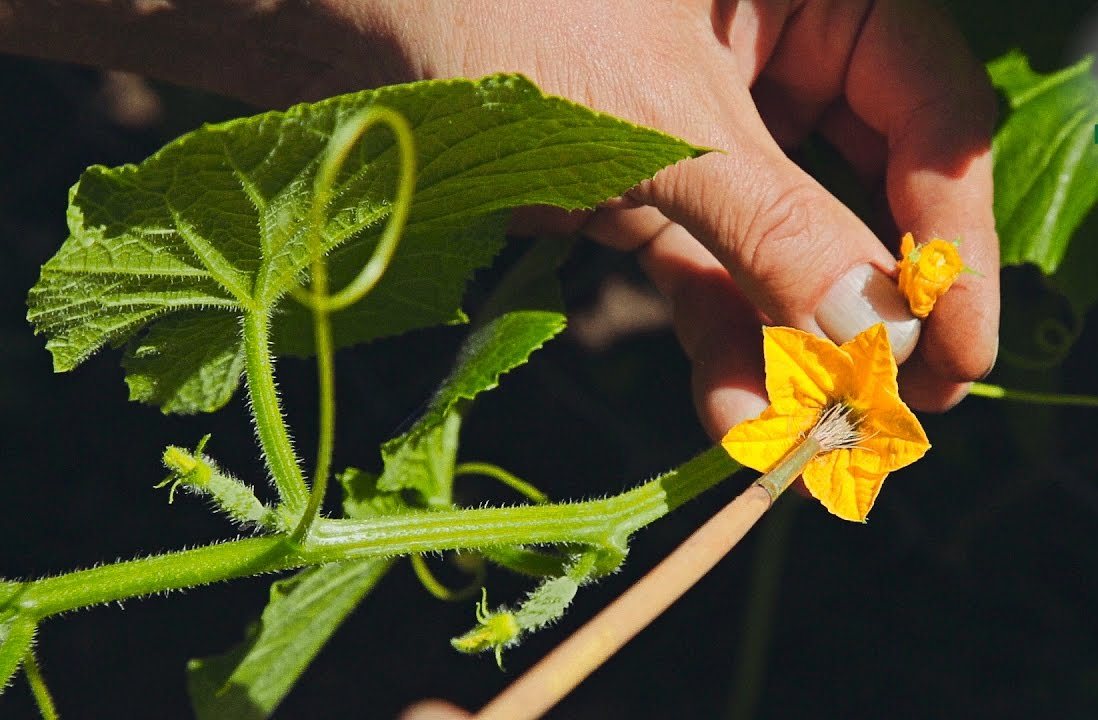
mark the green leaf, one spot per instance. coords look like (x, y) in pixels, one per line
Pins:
(496, 348)
(362, 498)
(423, 461)
(186, 363)
(212, 224)
(16, 636)
(303, 612)
(528, 299)
(1046, 159)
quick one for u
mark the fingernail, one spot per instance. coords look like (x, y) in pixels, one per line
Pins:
(728, 406)
(864, 297)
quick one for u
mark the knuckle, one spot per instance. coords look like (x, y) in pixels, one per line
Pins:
(783, 217)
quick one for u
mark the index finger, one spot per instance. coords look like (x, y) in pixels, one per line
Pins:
(912, 79)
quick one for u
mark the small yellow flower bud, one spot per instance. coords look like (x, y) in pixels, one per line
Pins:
(927, 272)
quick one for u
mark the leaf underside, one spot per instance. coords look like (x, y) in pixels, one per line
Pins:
(211, 226)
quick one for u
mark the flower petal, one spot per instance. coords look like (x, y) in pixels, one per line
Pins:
(803, 371)
(893, 436)
(840, 482)
(907, 245)
(874, 366)
(761, 443)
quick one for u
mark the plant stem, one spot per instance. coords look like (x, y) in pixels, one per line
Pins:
(1035, 398)
(42, 697)
(603, 524)
(274, 437)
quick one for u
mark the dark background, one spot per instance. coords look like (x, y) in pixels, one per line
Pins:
(971, 593)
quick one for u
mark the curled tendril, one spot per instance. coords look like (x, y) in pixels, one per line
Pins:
(339, 147)
(317, 297)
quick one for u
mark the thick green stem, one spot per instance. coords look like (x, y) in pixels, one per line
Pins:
(270, 424)
(602, 524)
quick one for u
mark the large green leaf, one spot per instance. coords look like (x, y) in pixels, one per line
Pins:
(1046, 160)
(212, 224)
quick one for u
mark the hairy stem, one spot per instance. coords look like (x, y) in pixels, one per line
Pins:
(602, 524)
(274, 437)
(556, 674)
(42, 697)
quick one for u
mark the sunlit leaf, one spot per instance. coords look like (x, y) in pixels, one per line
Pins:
(212, 224)
(422, 459)
(1046, 160)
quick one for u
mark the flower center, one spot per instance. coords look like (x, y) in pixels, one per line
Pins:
(837, 428)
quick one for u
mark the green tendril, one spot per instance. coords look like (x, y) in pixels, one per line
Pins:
(439, 590)
(317, 298)
(1033, 398)
(497, 473)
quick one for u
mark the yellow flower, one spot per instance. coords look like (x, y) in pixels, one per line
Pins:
(927, 272)
(844, 397)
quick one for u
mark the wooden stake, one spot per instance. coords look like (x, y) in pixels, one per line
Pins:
(559, 672)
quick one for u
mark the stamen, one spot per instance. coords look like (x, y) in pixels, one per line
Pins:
(837, 428)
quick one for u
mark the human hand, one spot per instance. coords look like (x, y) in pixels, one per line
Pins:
(732, 238)
(740, 236)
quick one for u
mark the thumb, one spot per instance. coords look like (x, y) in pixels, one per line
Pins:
(798, 254)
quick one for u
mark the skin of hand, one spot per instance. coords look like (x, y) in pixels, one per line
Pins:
(744, 235)
(733, 239)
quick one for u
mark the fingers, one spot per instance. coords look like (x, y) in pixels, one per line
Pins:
(912, 80)
(797, 253)
(791, 96)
